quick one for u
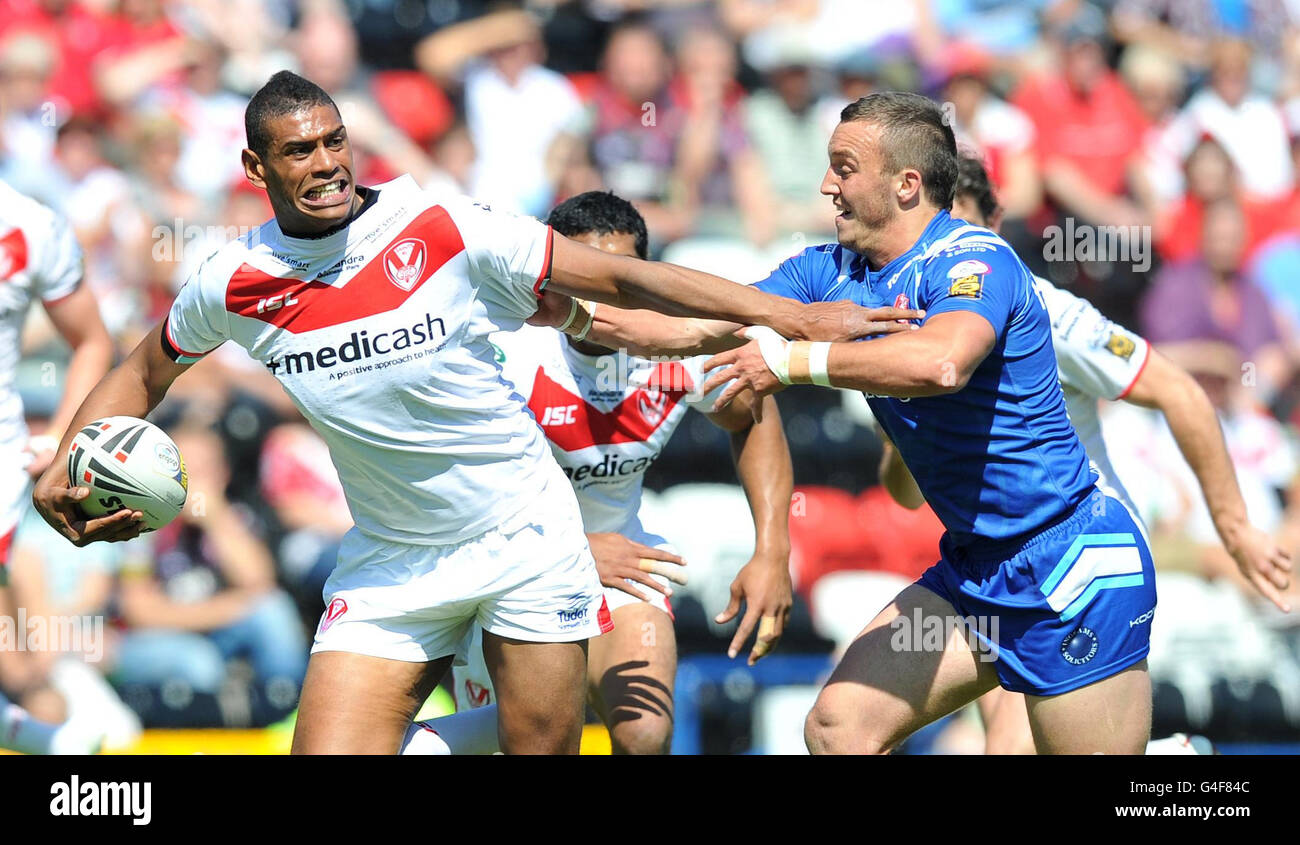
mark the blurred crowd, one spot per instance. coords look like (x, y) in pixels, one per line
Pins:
(1146, 154)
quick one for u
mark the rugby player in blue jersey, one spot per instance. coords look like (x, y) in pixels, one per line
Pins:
(1034, 552)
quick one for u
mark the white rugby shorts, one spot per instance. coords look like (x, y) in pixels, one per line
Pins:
(531, 578)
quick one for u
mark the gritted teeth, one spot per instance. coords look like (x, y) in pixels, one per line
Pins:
(323, 191)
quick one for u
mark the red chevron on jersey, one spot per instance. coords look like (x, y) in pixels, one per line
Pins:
(13, 253)
(387, 281)
(633, 420)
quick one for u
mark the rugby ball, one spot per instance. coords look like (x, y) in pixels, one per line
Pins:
(128, 463)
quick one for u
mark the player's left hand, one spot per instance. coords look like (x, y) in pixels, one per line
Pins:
(745, 364)
(764, 586)
(1263, 563)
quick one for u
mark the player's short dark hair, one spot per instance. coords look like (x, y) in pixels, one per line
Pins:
(973, 182)
(916, 135)
(602, 212)
(284, 93)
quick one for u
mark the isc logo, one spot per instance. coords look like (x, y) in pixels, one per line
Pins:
(560, 415)
(275, 303)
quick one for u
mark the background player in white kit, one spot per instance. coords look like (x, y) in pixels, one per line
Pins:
(373, 307)
(607, 417)
(1099, 359)
(39, 261)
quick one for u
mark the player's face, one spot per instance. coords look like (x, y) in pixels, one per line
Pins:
(307, 170)
(615, 243)
(857, 184)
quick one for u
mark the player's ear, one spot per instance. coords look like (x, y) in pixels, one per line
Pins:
(254, 171)
(908, 184)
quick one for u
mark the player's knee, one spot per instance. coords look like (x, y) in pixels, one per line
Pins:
(539, 731)
(835, 727)
(646, 734)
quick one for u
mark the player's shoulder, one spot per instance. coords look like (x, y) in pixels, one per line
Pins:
(28, 214)
(820, 262)
(227, 259)
(964, 251)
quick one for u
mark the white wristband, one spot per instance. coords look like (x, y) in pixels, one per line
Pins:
(818, 357)
(573, 312)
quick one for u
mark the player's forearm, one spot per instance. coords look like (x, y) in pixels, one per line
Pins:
(762, 459)
(630, 283)
(89, 363)
(648, 333)
(1195, 426)
(904, 365)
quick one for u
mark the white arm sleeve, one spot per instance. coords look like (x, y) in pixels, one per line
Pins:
(61, 263)
(1095, 356)
(198, 321)
(509, 257)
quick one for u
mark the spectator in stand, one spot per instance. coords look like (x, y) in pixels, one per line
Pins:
(79, 31)
(1089, 128)
(51, 581)
(784, 121)
(211, 120)
(1188, 28)
(672, 144)
(1249, 126)
(1003, 135)
(1157, 81)
(515, 108)
(1209, 298)
(27, 118)
(143, 50)
(1211, 177)
(205, 591)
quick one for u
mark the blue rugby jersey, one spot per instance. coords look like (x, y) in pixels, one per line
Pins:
(999, 458)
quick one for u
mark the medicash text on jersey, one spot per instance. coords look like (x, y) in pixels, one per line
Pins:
(361, 346)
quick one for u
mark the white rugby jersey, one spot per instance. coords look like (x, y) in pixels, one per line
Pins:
(379, 334)
(39, 259)
(607, 417)
(1097, 359)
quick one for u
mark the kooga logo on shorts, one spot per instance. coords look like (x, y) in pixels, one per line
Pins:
(360, 346)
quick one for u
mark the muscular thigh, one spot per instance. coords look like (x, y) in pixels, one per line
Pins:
(540, 692)
(895, 679)
(630, 670)
(1110, 716)
(357, 704)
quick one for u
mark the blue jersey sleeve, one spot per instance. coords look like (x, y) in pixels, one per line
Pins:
(791, 279)
(985, 278)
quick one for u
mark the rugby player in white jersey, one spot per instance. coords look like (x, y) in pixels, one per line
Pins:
(39, 261)
(373, 307)
(607, 417)
(1099, 359)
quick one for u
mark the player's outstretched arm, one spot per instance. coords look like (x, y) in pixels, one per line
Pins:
(132, 389)
(1172, 391)
(586, 273)
(762, 458)
(937, 358)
